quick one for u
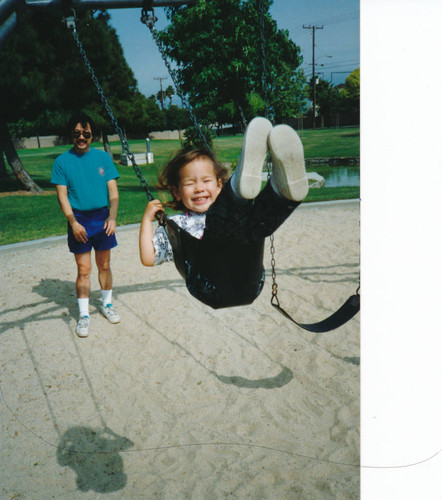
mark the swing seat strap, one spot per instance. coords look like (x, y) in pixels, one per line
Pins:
(337, 319)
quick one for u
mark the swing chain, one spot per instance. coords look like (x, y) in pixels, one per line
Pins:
(274, 298)
(263, 60)
(70, 23)
(149, 21)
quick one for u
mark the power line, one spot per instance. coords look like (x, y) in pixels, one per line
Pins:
(340, 19)
(339, 64)
(349, 16)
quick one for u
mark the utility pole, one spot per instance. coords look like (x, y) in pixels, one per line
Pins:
(313, 28)
(161, 78)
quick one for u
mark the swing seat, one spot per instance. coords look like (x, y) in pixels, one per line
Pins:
(220, 273)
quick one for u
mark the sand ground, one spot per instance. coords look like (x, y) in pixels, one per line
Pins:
(178, 400)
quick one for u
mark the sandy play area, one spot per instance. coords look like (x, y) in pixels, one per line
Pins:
(178, 400)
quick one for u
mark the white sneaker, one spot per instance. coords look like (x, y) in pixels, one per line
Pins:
(110, 313)
(247, 178)
(288, 172)
(82, 328)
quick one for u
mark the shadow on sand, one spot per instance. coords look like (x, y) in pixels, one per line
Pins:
(95, 458)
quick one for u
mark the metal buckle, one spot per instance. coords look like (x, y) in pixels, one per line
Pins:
(148, 14)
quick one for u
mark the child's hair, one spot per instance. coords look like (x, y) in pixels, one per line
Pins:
(170, 176)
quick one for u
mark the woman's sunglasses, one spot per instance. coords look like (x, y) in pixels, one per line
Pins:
(77, 135)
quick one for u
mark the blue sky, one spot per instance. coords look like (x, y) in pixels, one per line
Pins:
(337, 44)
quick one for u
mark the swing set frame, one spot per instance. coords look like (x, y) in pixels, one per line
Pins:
(12, 11)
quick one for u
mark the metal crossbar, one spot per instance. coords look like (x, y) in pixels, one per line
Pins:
(104, 4)
(10, 9)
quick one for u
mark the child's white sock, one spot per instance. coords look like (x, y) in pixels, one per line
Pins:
(106, 297)
(83, 305)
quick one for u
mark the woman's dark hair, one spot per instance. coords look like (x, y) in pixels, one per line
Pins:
(83, 119)
(170, 177)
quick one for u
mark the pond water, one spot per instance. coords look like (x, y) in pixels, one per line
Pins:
(341, 176)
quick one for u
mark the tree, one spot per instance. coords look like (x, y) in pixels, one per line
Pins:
(139, 115)
(8, 149)
(161, 95)
(43, 79)
(286, 80)
(216, 48)
(3, 172)
(351, 91)
(176, 118)
(169, 92)
(328, 98)
(16, 91)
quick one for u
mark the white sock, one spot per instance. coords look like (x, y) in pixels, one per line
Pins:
(106, 297)
(83, 305)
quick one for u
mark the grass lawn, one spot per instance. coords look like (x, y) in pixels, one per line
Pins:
(328, 143)
(26, 217)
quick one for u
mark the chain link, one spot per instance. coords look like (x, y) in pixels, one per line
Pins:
(70, 22)
(149, 21)
(263, 59)
(274, 298)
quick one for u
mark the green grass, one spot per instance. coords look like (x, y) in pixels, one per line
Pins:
(26, 217)
(332, 194)
(328, 143)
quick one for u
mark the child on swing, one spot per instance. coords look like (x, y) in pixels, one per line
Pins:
(217, 209)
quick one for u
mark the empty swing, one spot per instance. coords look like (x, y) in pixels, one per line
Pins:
(240, 278)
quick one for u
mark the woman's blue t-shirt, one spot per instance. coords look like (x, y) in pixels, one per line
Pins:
(86, 176)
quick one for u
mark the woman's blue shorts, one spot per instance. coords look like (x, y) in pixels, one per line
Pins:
(93, 222)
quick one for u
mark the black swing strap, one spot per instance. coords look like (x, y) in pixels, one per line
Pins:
(352, 305)
(337, 319)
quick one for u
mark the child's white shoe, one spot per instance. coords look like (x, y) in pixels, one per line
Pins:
(247, 179)
(288, 172)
